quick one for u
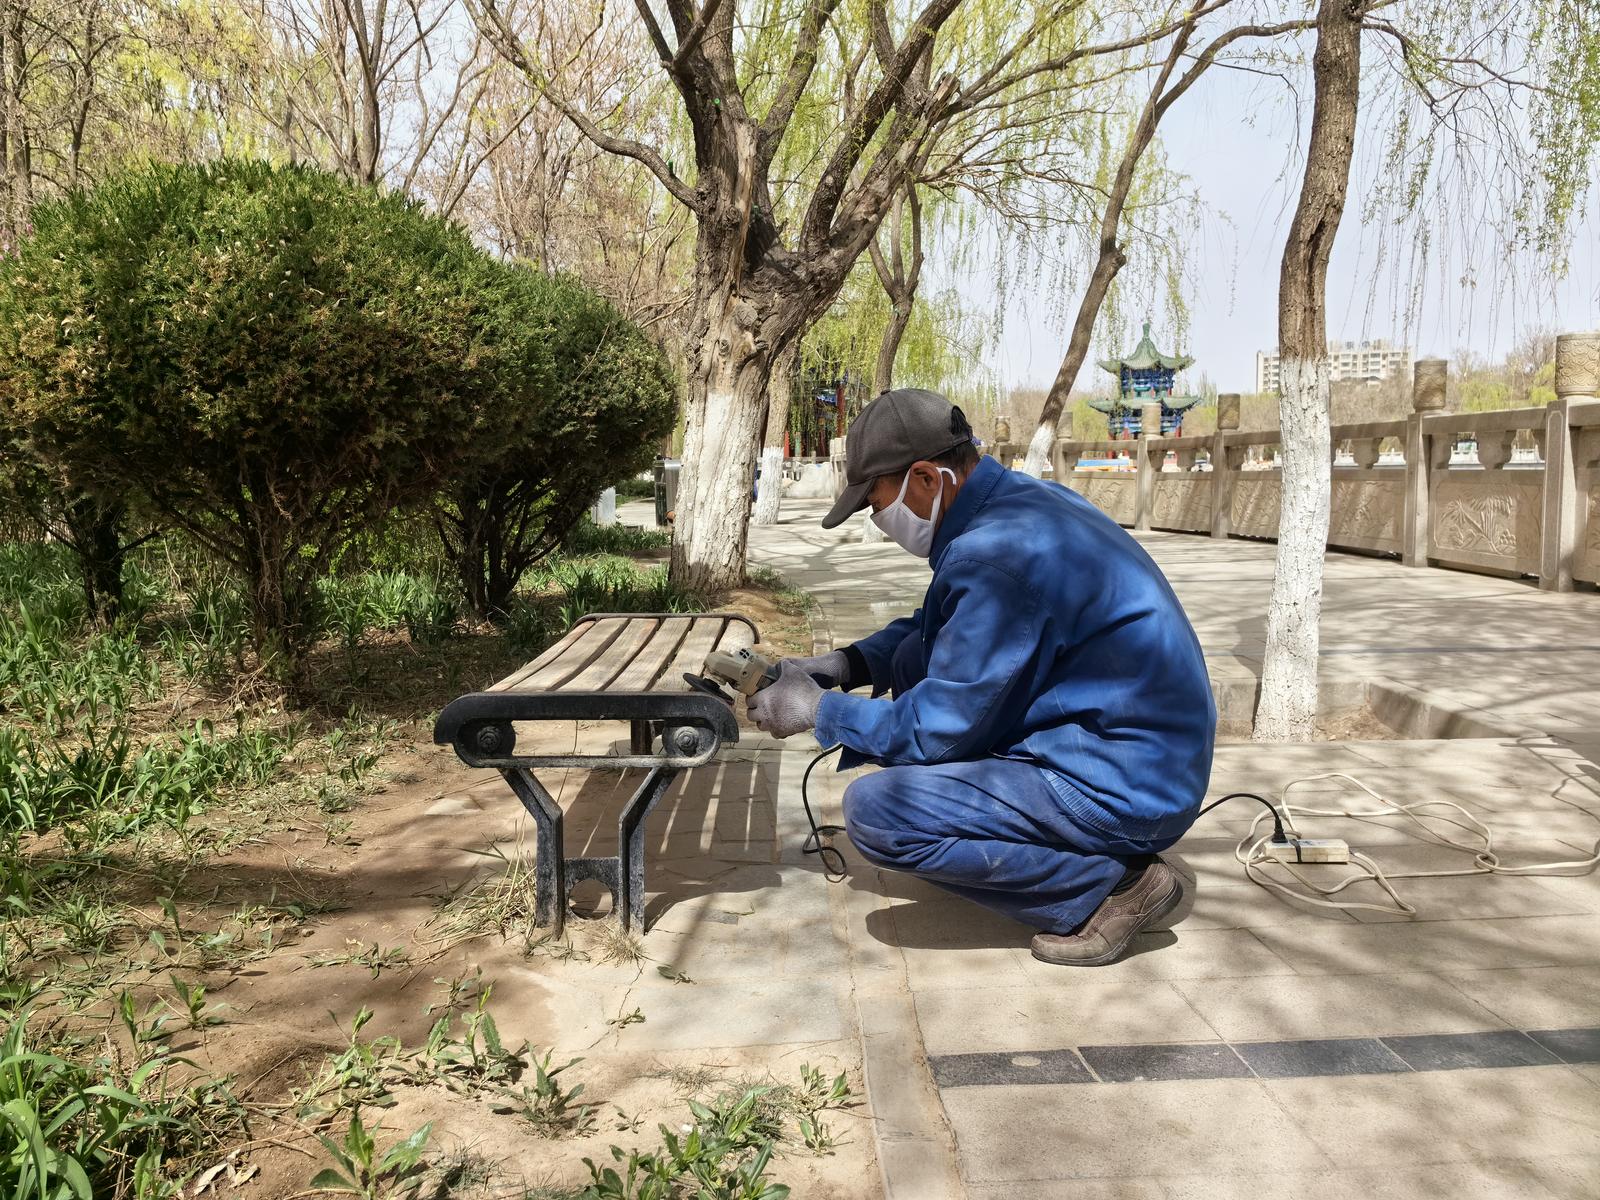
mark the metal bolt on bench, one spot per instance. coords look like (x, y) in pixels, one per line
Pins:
(607, 667)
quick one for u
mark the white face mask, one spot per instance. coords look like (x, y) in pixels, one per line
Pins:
(914, 534)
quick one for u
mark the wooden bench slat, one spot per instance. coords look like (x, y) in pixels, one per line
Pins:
(701, 639)
(575, 658)
(648, 664)
(614, 659)
(548, 655)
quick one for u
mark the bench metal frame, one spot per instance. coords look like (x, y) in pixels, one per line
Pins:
(670, 731)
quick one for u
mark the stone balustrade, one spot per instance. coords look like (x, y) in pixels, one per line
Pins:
(1398, 487)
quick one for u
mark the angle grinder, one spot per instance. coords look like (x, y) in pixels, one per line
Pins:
(745, 671)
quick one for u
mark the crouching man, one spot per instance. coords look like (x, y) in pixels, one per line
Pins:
(1044, 719)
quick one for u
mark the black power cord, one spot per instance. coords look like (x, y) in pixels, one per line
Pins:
(1277, 817)
(833, 865)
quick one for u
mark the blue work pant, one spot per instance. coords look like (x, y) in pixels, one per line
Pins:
(990, 830)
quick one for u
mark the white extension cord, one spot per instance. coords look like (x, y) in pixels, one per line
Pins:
(1252, 852)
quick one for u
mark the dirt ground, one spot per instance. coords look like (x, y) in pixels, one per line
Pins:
(382, 933)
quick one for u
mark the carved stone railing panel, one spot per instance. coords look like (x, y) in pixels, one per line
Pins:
(1586, 455)
(1488, 520)
(1367, 510)
(1114, 493)
(1255, 504)
(1182, 501)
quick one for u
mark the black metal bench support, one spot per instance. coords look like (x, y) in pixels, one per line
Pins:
(554, 873)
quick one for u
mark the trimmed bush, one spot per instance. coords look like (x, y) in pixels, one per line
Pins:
(273, 358)
(607, 398)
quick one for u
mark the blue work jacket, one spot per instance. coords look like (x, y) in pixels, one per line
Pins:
(1049, 635)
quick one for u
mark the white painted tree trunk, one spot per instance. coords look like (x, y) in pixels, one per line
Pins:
(769, 487)
(719, 460)
(1038, 457)
(1287, 708)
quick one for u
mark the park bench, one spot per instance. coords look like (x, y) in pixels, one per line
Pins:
(608, 667)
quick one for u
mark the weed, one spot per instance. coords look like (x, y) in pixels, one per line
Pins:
(623, 1020)
(373, 957)
(673, 974)
(362, 1170)
(546, 1104)
(818, 1138)
(501, 902)
(192, 1004)
(614, 944)
(723, 1156)
(77, 1127)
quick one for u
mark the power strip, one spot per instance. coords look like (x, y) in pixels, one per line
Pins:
(1309, 850)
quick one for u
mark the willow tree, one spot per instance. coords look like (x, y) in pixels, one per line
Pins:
(1474, 95)
(908, 81)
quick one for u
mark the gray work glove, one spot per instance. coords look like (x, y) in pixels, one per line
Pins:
(827, 669)
(787, 705)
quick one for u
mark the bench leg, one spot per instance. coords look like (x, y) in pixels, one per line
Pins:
(630, 844)
(552, 870)
(550, 856)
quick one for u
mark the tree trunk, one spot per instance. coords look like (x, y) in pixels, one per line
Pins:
(14, 68)
(722, 434)
(1105, 270)
(899, 279)
(769, 487)
(1288, 705)
(94, 533)
(1111, 257)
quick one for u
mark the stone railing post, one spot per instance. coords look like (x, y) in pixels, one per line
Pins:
(1148, 463)
(1428, 376)
(1063, 464)
(1223, 466)
(1577, 379)
(836, 462)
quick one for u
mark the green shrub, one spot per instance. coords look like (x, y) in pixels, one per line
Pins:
(272, 358)
(595, 406)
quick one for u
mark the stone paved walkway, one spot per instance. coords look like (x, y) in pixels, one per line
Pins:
(1258, 1047)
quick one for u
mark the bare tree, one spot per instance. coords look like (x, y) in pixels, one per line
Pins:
(760, 282)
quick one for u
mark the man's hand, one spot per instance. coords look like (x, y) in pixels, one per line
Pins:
(787, 705)
(827, 669)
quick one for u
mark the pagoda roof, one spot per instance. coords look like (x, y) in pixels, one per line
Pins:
(1144, 356)
(1172, 403)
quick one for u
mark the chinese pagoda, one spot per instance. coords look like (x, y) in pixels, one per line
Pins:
(1143, 375)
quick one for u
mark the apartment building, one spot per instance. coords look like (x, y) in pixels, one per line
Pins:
(1365, 362)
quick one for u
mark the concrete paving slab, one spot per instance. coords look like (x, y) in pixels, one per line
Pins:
(1444, 1117)
(1443, 945)
(1298, 1006)
(1072, 1132)
(1080, 1011)
(1536, 997)
(1502, 1179)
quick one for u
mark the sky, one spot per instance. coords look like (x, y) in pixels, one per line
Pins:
(1247, 174)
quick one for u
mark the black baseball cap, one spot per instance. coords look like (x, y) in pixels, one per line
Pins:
(900, 427)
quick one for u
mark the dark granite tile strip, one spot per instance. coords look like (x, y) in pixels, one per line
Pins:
(1128, 1064)
(1038, 1066)
(1458, 1051)
(1294, 1059)
(1570, 1045)
(1320, 1056)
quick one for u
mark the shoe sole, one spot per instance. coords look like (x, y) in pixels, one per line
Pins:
(1173, 899)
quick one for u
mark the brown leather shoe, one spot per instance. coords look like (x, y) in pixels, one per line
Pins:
(1119, 919)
